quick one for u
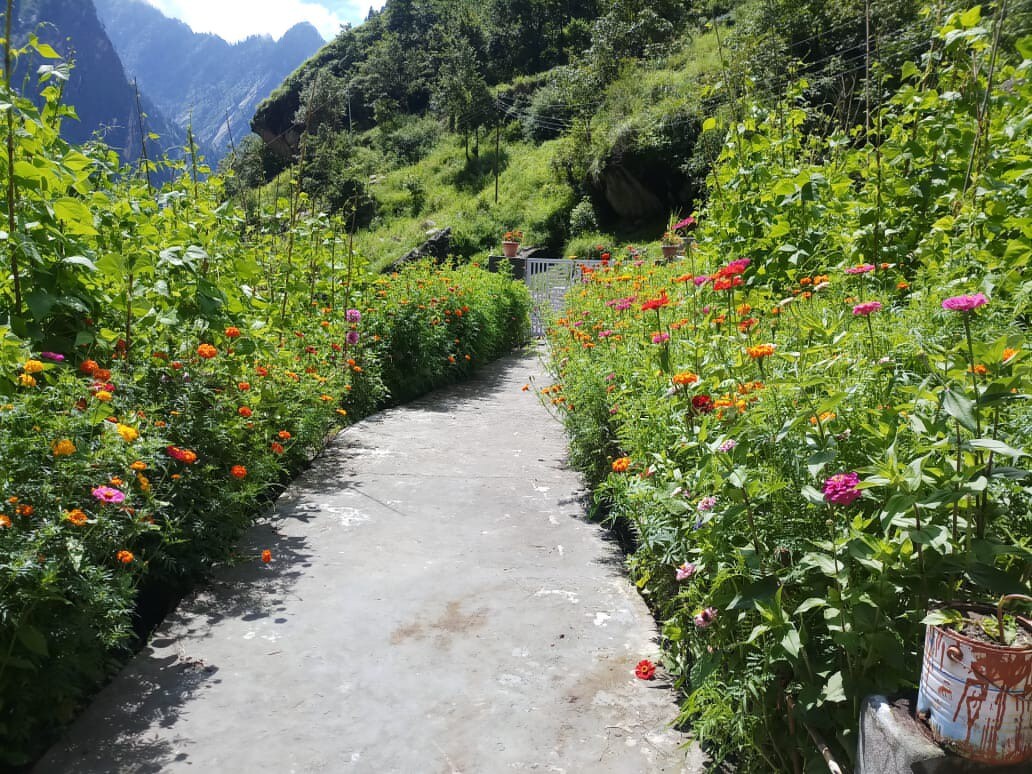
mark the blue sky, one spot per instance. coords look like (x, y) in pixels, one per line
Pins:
(236, 19)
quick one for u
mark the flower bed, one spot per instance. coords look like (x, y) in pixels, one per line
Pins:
(119, 473)
(811, 446)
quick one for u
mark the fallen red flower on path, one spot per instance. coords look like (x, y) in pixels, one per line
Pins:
(645, 670)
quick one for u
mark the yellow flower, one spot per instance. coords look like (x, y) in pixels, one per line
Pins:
(102, 395)
(63, 448)
(26, 381)
(129, 434)
(33, 367)
(144, 482)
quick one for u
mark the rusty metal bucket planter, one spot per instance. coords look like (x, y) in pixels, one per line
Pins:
(978, 695)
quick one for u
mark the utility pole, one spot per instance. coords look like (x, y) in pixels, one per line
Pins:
(498, 152)
(143, 138)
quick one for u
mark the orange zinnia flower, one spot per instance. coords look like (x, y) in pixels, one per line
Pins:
(238, 471)
(621, 464)
(244, 411)
(207, 351)
(232, 332)
(685, 378)
(266, 556)
(760, 351)
(125, 557)
(77, 517)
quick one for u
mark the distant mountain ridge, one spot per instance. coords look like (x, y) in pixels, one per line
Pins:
(99, 90)
(199, 78)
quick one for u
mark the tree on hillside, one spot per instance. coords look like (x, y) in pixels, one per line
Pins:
(462, 95)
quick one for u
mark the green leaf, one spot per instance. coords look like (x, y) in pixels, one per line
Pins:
(791, 643)
(810, 604)
(960, 408)
(33, 639)
(79, 260)
(971, 17)
(812, 495)
(833, 690)
(709, 123)
(943, 617)
(999, 447)
(75, 216)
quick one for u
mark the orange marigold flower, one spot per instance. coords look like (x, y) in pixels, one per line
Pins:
(238, 471)
(88, 367)
(325, 398)
(116, 481)
(139, 465)
(805, 281)
(144, 483)
(5, 521)
(284, 435)
(207, 351)
(77, 517)
(232, 332)
(128, 433)
(24, 509)
(102, 374)
(760, 351)
(277, 447)
(33, 367)
(685, 378)
(1009, 354)
(63, 448)
(26, 381)
(902, 285)
(261, 370)
(244, 411)
(621, 464)
(103, 396)
(979, 369)
(243, 386)
(342, 412)
(266, 556)
(125, 557)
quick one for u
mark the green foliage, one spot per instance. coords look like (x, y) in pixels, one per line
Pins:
(728, 447)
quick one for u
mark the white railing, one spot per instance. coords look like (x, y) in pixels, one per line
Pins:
(548, 280)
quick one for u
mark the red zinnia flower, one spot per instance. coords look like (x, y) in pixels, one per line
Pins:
(702, 404)
(656, 303)
(645, 670)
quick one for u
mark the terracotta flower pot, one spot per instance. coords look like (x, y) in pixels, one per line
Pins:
(509, 249)
(669, 251)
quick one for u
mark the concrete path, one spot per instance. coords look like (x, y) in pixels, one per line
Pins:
(437, 603)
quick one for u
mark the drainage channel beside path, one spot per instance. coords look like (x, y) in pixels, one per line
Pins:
(437, 602)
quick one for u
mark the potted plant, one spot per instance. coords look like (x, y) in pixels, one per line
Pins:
(976, 681)
(671, 243)
(511, 243)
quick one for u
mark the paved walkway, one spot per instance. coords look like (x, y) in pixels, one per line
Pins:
(437, 603)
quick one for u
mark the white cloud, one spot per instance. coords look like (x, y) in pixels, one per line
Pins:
(237, 19)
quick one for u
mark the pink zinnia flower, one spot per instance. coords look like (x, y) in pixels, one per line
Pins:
(706, 618)
(867, 308)
(965, 303)
(707, 503)
(686, 570)
(700, 281)
(107, 494)
(52, 356)
(861, 269)
(353, 316)
(841, 489)
(661, 338)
